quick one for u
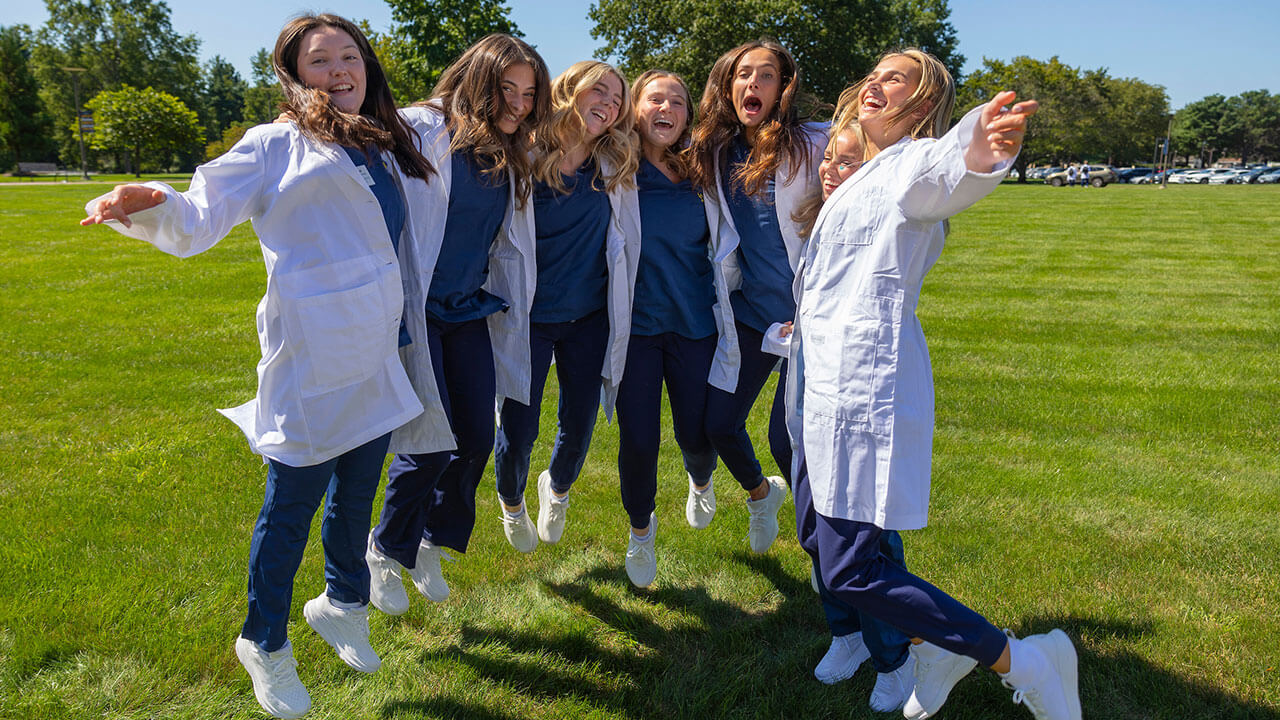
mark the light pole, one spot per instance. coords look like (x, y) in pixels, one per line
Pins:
(75, 85)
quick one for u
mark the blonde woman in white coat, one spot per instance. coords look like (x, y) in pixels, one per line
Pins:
(587, 232)
(861, 396)
(755, 161)
(476, 131)
(331, 195)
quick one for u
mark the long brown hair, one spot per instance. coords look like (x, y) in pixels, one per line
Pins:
(674, 153)
(782, 133)
(566, 128)
(318, 118)
(470, 96)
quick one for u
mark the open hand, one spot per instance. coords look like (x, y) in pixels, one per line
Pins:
(123, 201)
(998, 134)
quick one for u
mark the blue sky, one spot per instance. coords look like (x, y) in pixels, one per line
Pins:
(1192, 48)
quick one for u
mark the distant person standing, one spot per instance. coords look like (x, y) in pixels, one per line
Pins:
(1084, 176)
(1071, 175)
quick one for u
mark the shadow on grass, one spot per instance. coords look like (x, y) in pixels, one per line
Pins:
(721, 661)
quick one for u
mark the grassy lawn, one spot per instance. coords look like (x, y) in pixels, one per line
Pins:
(1108, 404)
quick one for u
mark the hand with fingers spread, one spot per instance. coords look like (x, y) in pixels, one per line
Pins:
(998, 134)
(123, 201)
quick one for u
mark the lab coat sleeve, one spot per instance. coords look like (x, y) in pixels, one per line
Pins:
(939, 184)
(224, 193)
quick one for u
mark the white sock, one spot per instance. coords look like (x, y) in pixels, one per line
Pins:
(646, 537)
(700, 490)
(514, 515)
(1026, 664)
(345, 605)
(559, 499)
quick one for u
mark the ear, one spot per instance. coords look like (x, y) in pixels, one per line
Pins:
(922, 111)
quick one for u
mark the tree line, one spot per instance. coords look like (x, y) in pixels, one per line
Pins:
(156, 107)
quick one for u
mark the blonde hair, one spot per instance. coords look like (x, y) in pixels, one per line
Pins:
(807, 213)
(936, 94)
(675, 155)
(782, 133)
(470, 95)
(566, 129)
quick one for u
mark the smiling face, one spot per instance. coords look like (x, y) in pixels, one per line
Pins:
(887, 90)
(519, 91)
(757, 85)
(841, 160)
(329, 60)
(600, 104)
(662, 112)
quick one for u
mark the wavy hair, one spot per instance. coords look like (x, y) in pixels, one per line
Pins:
(806, 214)
(936, 95)
(318, 118)
(781, 134)
(674, 154)
(470, 95)
(566, 129)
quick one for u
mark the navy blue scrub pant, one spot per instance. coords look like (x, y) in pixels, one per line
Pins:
(727, 413)
(854, 569)
(432, 496)
(579, 347)
(889, 648)
(684, 364)
(349, 481)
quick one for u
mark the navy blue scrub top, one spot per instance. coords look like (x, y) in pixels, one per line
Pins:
(674, 285)
(572, 230)
(389, 199)
(765, 296)
(477, 206)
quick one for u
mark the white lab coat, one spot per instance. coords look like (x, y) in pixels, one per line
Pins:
(622, 258)
(330, 378)
(724, 245)
(860, 392)
(512, 277)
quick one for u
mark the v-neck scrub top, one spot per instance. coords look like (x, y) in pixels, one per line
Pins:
(389, 200)
(766, 294)
(477, 205)
(572, 229)
(674, 287)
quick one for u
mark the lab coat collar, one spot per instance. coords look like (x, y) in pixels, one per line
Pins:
(862, 173)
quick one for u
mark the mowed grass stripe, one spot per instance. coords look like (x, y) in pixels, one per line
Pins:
(1105, 460)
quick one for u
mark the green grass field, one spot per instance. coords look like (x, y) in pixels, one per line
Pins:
(1108, 404)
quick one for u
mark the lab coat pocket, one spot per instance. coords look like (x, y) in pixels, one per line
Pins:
(342, 332)
(859, 224)
(850, 367)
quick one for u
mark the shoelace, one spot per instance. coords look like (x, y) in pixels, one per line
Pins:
(279, 668)
(1030, 699)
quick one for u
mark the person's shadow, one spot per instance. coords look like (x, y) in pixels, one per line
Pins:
(720, 661)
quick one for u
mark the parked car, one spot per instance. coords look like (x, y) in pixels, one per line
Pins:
(1040, 172)
(1099, 175)
(1131, 174)
(1270, 176)
(1189, 176)
(1233, 176)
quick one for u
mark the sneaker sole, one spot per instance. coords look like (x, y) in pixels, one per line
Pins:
(346, 655)
(279, 713)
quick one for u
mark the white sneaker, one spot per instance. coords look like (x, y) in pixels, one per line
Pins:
(345, 629)
(551, 512)
(846, 654)
(642, 563)
(426, 573)
(700, 507)
(520, 532)
(936, 671)
(275, 679)
(386, 587)
(892, 689)
(762, 526)
(1052, 694)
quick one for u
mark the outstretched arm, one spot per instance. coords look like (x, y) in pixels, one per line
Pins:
(122, 202)
(997, 136)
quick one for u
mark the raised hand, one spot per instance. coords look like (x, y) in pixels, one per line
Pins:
(998, 134)
(123, 201)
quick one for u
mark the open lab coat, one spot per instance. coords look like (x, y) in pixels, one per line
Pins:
(860, 390)
(330, 378)
(622, 258)
(789, 193)
(512, 277)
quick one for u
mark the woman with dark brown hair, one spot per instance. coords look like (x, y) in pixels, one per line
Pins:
(334, 194)
(477, 129)
(754, 157)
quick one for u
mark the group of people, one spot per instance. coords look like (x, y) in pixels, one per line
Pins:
(425, 263)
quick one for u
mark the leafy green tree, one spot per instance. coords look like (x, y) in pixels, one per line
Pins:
(262, 100)
(1133, 115)
(1251, 125)
(223, 95)
(230, 137)
(119, 42)
(428, 35)
(1197, 128)
(145, 124)
(835, 42)
(25, 128)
